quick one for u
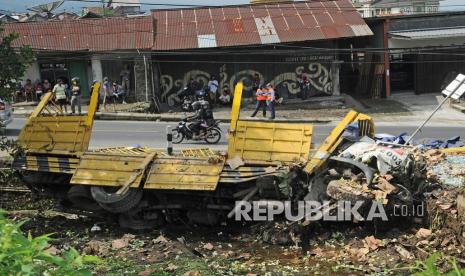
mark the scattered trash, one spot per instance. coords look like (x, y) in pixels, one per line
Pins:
(403, 252)
(235, 162)
(453, 142)
(95, 228)
(423, 233)
(400, 139)
(171, 267)
(123, 242)
(372, 243)
(52, 250)
(208, 246)
(450, 172)
(160, 239)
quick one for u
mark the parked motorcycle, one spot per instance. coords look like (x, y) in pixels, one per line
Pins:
(211, 134)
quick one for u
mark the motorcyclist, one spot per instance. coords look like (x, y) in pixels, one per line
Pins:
(202, 118)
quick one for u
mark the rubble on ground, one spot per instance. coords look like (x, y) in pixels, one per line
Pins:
(402, 173)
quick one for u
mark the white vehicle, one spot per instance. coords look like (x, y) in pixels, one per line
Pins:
(6, 115)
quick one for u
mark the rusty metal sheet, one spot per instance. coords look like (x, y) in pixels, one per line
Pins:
(184, 173)
(257, 24)
(117, 33)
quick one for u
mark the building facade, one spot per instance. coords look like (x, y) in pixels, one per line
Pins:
(90, 49)
(424, 50)
(377, 8)
(279, 42)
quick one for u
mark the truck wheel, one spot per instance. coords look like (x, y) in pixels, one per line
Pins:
(81, 198)
(114, 203)
(135, 222)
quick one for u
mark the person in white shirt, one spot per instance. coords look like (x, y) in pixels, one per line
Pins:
(213, 88)
(225, 98)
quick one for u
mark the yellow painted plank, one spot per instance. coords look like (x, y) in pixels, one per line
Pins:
(109, 169)
(270, 142)
(182, 173)
(459, 150)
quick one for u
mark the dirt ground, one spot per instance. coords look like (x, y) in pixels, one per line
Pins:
(252, 249)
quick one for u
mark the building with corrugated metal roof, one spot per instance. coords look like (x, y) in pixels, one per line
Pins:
(280, 42)
(424, 53)
(89, 49)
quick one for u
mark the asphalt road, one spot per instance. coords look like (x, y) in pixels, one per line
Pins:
(153, 134)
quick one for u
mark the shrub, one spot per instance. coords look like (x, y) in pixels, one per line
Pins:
(25, 255)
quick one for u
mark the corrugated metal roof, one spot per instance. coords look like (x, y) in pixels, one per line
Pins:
(429, 33)
(257, 24)
(86, 34)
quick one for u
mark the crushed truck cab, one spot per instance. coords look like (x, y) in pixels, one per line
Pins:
(146, 187)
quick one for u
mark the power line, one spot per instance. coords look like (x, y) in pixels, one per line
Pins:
(314, 50)
(210, 61)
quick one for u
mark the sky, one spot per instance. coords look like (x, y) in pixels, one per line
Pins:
(21, 5)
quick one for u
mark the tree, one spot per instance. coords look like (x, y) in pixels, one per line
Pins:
(13, 63)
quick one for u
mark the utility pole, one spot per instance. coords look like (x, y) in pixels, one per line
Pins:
(454, 90)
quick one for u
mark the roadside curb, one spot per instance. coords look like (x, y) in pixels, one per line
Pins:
(164, 118)
(123, 116)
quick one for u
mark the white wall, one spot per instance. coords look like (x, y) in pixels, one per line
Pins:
(32, 72)
(405, 43)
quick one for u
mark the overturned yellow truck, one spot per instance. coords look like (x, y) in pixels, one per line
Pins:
(147, 187)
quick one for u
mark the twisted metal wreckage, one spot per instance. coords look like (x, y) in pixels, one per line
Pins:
(147, 187)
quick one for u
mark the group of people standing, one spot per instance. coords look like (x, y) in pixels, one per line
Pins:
(64, 94)
(112, 93)
(32, 91)
(266, 97)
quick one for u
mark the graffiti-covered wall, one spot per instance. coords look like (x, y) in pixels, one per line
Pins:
(284, 75)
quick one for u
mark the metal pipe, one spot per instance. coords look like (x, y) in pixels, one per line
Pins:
(434, 112)
(169, 140)
(246, 198)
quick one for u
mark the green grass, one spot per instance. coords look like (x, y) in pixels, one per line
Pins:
(22, 254)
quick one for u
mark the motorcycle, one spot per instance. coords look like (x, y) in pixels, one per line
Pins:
(211, 134)
(186, 104)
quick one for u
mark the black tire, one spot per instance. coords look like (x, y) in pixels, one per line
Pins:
(213, 136)
(114, 203)
(134, 222)
(178, 137)
(81, 198)
(30, 178)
